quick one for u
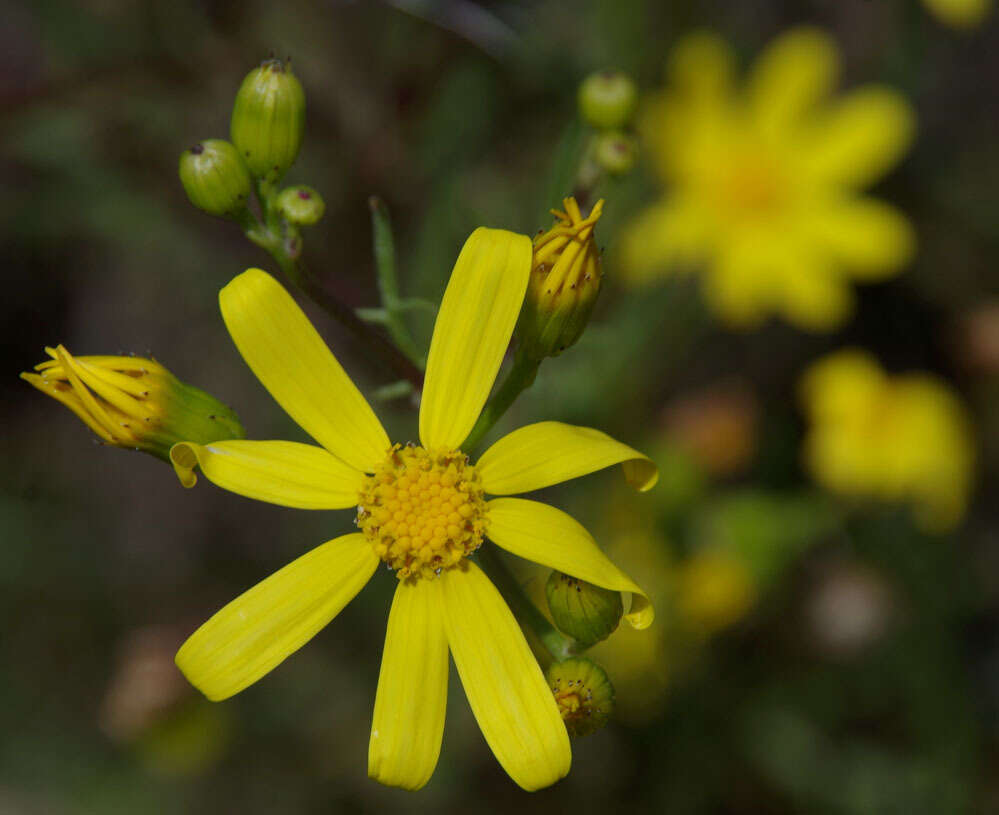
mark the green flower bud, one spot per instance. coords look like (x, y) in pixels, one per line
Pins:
(268, 120)
(564, 283)
(214, 177)
(301, 205)
(585, 612)
(134, 403)
(615, 152)
(584, 694)
(607, 99)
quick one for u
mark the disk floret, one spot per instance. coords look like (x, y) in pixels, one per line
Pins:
(423, 510)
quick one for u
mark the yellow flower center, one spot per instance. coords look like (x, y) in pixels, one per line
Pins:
(423, 510)
(751, 184)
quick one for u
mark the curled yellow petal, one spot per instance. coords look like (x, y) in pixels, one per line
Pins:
(280, 472)
(291, 360)
(506, 690)
(472, 332)
(548, 536)
(546, 453)
(268, 623)
(408, 723)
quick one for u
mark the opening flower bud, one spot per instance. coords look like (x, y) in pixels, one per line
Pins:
(564, 283)
(268, 120)
(301, 205)
(585, 612)
(607, 99)
(132, 402)
(584, 694)
(615, 152)
(214, 177)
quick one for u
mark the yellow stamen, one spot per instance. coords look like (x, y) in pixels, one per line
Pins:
(422, 510)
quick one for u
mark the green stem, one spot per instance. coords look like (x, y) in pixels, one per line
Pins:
(527, 614)
(520, 377)
(388, 284)
(286, 249)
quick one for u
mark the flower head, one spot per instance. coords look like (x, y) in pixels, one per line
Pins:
(132, 402)
(564, 283)
(897, 438)
(422, 510)
(764, 182)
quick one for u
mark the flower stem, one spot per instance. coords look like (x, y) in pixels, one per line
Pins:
(284, 244)
(527, 614)
(388, 284)
(520, 377)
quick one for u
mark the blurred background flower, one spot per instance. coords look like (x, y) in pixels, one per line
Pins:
(889, 437)
(763, 181)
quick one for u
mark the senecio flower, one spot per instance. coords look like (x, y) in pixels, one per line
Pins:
(763, 182)
(132, 402)
(890, 437)
(421, 510)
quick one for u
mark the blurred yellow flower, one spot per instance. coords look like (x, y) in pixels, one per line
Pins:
(960, 13)
(763, 182)
(890, 437)
(714, 589)
(421, 510)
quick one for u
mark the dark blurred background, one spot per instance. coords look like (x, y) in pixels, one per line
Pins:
(840, 660)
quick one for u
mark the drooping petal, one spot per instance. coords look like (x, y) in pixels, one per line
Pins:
(408, 724)
(291, 360)
(263, 626)
(870, 238)
(795, 72)
(506, 690)
(472, 332)
(548, 536)
(279, 472)
(857, 140)
(546, 453)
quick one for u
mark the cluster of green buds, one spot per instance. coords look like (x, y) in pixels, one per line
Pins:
(266, 131)
(132, 402)
(564, 283)
(607, 102)
(587, 614)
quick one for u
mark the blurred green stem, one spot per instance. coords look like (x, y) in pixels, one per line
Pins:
(520, 377)
(388, 284)
(527, 614)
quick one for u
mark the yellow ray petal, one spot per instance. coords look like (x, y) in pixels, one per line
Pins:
(506, 690)
(873, 240)
(856, 141)
(290, 359)
(795, 72)
(546, 453)
(473, 328)
(408, 723)
(279, 472)
(263, 626)
(702, 66)
(548, 536)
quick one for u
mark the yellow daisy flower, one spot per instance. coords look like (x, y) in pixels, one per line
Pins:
(763, 182)
(895, 438)
(420, 509)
